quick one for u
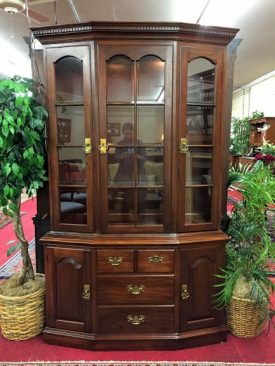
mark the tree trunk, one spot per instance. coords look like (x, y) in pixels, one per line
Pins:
(27, 272)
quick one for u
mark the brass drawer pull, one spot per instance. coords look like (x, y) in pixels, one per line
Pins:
(184, 292)
(155, 259)
(135, 289)
(135, 319)
(86, 293)
(115, 261)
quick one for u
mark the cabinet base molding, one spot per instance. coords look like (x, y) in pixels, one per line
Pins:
(171, 341)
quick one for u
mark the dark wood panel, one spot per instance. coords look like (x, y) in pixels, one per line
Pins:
(198, 269)
(135, 289)
(161, 261)
(135, 320)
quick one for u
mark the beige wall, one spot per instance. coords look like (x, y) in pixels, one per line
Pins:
(258, 95)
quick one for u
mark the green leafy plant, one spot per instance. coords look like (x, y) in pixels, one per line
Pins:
(256, 115)
(240, 132)
(268, 149)
(22, 123)
(250, 244)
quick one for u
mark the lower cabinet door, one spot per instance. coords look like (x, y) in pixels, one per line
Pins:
(135, 319)
(68, 286)
(198, 268)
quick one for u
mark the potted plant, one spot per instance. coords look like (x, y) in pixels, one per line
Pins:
(22, 126)
(245, 284)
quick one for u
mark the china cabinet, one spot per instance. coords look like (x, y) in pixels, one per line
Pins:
(138, 116)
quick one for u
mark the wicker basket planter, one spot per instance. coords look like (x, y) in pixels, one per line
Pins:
(244, 317)
(22, 317)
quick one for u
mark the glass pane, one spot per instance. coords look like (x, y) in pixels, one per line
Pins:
(151, 80)
(69, 80)
(200, 122)
(119, 79)
(199, 166)
(120, 125)
(70, 125)
(150, 166)
(121, 166)
(150, 122)
(121, 205)
(73, 206)
(71, 165)
(150, 206)
(198, 205)
(201, 81)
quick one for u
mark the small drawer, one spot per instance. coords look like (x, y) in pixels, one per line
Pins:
(135, 320)
(118, 261)
(157, 261)
(135, 290)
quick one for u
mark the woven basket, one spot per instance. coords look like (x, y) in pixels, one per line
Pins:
(244, 317)
(22, 317)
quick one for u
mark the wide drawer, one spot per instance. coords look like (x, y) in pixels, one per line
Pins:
(115, 261)
(158, 261)
(135, 289)
(135, 320)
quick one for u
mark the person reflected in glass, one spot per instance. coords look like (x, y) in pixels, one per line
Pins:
(125, 156)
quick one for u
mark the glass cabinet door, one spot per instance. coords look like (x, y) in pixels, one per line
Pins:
(198, 151)
(135, 118)
(69, 97)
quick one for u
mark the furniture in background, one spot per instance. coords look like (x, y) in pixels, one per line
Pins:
(262, 129)
(136, 194)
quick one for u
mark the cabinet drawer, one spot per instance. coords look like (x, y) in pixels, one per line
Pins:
(135, 320)
(118, 261)
(160, 261)
(135, 290)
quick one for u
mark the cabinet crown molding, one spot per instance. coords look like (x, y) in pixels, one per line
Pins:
(174, 31)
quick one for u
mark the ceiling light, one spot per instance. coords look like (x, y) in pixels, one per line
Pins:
(12, 6)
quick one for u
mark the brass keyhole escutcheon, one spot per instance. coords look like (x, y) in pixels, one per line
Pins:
(183, 145)
(184, 292)
(86, 293)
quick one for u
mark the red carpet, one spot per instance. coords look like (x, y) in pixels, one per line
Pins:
(7, 234)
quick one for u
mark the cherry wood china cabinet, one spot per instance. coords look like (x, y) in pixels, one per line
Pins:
(139, 119)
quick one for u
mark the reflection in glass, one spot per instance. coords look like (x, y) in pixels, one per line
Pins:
(121, 166)
(150, 169)
(118, 118)
(150, 123)
(150, 201)
(198, 205)
(121, 205)
(71, 165)
(69, 80)
(73, 206)
(201, 82)
(70, 125)
(199, 123)
(119, 79)
(199, 166)
(151, 80)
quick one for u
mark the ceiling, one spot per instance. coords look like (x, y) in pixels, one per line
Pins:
(254, 18)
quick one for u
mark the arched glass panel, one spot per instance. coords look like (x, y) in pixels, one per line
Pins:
(120, 79)
(200, 101)
(69, 80)
(151, 80)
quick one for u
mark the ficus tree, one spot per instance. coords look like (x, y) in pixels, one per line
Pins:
(22, 125)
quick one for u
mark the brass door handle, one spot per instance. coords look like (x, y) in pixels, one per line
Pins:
(135, 319)
(184, 292)
(183, 145)
(86, 293)
(115, 261)
(87, 146)
(103, 147)
(135, 289)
